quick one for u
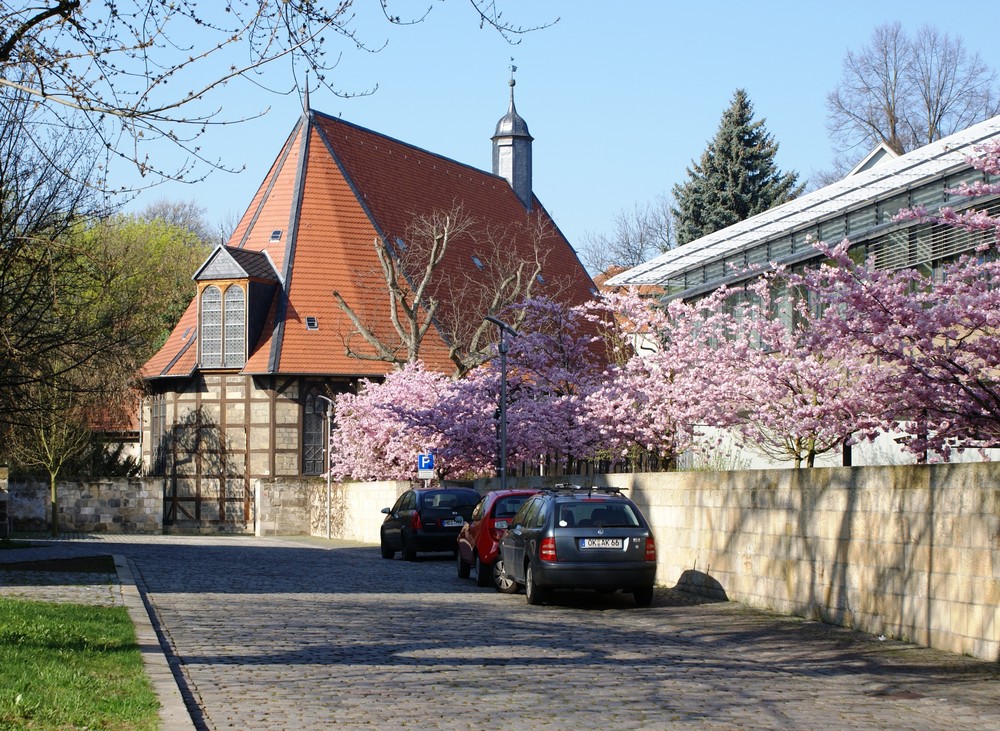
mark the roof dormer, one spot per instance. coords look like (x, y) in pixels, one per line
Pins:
(235, 290)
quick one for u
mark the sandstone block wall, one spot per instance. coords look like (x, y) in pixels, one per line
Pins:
(911, 552)
(115, 506)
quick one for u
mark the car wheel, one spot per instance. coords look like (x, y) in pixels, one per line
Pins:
(387, 552)
(532, 592)
(643, 596)
(484, 572)
(463, 567)
(408, 553)
(501, 579)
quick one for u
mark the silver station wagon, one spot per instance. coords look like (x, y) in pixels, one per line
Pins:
(580, 538)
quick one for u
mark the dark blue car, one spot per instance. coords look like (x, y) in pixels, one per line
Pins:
(426, 519)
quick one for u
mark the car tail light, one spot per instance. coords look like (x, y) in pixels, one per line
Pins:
(650, 549)
(415, 522)
(547, 551)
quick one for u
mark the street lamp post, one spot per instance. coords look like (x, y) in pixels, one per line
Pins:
(505, 330)
(329, 459)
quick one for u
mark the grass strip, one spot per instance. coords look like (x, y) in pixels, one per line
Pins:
(70, 666)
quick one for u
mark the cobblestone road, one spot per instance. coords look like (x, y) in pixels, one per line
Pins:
(305, 634)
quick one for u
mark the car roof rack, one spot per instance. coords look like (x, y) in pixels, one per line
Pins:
(568, 487)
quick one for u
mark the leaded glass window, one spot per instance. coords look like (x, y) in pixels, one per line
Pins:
(211, 328)
(158, 436)
(313, 436)
(235, 328)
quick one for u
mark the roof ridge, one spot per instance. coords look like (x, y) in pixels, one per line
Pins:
(410, 145)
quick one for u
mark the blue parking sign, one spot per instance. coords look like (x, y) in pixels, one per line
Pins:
(425, 461)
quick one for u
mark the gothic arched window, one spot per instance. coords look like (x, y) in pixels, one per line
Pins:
(211, 328)
(314, 436)
(235, 328)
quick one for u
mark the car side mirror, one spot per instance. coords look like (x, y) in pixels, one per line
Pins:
(386, 511)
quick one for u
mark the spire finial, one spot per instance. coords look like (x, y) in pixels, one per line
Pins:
(305, 97)
(513, 68)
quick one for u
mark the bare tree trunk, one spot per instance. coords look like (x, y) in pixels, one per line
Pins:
(53, 504)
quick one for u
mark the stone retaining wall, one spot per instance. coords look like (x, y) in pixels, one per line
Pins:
(300, 508)
(911, 552)
(113, 506)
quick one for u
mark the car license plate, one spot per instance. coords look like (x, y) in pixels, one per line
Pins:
(600, 543)
(451, 523)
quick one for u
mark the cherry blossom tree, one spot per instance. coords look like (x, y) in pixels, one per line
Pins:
(659, 387)
(765, 365)
(553, 365)
(799, 387)
(375, 436)
(556, 363)
(939, 333)
(464, 421)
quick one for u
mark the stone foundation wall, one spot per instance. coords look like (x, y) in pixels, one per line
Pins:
(282, 508)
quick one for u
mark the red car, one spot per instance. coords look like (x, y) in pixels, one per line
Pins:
(479, 538)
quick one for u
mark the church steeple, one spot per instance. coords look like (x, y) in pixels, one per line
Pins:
(512, 150)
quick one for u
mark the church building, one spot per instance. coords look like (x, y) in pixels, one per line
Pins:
(276, 327)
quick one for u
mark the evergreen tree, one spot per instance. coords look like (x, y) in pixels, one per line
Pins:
(736, 177)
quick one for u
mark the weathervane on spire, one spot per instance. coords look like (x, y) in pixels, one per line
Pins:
(513, 68)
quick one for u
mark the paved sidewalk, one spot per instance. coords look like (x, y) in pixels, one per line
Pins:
(309, 634)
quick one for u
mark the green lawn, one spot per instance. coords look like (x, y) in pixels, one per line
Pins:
(68, 666)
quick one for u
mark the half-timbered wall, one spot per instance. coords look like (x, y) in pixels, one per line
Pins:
(219, 431)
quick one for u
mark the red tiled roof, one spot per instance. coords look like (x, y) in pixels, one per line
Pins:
(333, 191)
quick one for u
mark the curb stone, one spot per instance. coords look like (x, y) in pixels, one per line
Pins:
(174, 715)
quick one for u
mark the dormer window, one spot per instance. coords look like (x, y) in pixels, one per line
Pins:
(223, 327)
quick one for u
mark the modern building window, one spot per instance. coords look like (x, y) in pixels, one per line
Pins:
(314, 436)
(223, 327)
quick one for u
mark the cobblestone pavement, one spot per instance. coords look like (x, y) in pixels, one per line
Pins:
(310, 634)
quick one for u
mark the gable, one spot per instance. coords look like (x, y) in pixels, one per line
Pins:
(222, 267)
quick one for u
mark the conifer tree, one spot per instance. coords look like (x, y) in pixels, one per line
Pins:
(736, 177)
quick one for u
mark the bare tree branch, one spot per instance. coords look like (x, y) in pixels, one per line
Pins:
(906, 92)
(637, 236)
(132, 72)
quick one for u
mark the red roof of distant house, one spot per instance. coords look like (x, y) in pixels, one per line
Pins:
(334, 190)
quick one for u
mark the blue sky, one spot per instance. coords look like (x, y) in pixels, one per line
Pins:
(619, 100)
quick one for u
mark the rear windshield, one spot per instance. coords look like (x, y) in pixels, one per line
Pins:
(450, 499)
(597, 514)
(507, 506)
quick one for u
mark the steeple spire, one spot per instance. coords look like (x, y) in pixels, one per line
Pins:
(512, 149)
(305, 96)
